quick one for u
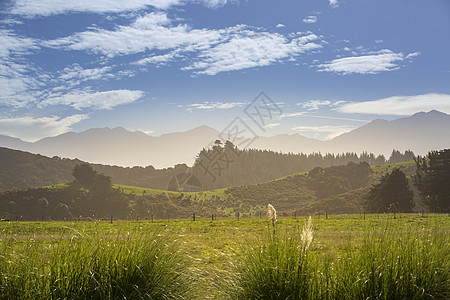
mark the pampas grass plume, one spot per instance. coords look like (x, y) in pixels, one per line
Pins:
(307, 235)
(272, 213)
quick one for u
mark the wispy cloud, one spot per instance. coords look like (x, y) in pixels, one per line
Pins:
(150, 32)
(12, 44)
(334, 3)
(32, 8)
(328, 132)
(310, 19)
(381, 61)
(304, 114)
(272, 125)
(19, 80)
(157, 59)
(79, 73)
(249, 49)
(400, 105)
(32, 129)
(94, 100)
(314, 104)
(213, 50)
(211, 106)
(280, 25)
(213, 3)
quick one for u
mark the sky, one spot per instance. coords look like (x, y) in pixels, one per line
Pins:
(313, 67)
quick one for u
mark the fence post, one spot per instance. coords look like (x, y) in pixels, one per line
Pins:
(111, 219)
(237, 215)
(193, 217)
(326, 216)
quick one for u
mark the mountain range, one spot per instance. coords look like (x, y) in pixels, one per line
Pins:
(421, 132)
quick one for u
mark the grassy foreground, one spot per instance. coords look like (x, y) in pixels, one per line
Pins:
(349, 258)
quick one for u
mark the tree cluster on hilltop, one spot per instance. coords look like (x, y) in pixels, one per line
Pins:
(225, 165)
(219, 167)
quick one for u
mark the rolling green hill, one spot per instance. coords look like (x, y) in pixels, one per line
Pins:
(219, 167)
(333, 190)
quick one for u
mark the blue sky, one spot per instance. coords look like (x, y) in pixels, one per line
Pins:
(163, 66)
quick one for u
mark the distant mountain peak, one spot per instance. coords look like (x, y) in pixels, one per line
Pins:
(432, 113)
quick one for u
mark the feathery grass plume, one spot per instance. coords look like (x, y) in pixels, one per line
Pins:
(307, 235)
(272, 213)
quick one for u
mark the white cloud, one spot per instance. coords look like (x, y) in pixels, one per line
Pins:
(310, 19)
(327, 132)
(213, 3)
(32, 129)
(411, 55)
(296, 114)
(157, 59)
(17, 85)
(94, 100)
(216, 50)
(31, 8)
(304, 114)
(314, 104)
(280, 25)
(79, 73)
(249, 49)
(382, 61)
(211, 106)
(400, 105)
(148, 32)
(334, 3)
(11, 44)
(272, 125)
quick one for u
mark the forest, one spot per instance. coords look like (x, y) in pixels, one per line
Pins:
(219, 167)
(346, 188)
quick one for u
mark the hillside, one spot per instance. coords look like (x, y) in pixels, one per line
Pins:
(20, 170)
(220, 167)
(334, 190)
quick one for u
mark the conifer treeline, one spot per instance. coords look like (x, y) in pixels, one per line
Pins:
(219, 167)
(225, 165)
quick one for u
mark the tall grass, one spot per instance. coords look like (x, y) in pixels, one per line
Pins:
(276, 268)
(139, 265)
(394, 263)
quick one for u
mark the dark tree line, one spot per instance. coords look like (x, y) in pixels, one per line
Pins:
(222, 166)
(225, 165)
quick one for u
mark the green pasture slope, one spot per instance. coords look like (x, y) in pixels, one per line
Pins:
(350, 257)
(289, 193)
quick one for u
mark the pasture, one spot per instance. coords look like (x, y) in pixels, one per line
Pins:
(350, 257)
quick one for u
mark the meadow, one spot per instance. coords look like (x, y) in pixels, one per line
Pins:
(384, 256)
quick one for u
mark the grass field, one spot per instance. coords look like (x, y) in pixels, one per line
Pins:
(351, 257)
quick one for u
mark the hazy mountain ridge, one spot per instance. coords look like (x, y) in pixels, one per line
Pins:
(420, 133)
